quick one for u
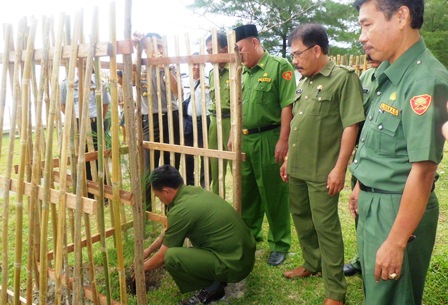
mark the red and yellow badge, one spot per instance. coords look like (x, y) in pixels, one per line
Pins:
(421, 103)
(287, 75)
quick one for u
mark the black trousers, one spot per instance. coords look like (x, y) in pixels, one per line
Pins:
(166, 155)
(189, 159)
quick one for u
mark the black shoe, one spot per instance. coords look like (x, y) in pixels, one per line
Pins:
(276, 258)
(350, 270)
(205, 296)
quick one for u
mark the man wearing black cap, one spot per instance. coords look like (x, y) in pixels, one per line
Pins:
(268, 84)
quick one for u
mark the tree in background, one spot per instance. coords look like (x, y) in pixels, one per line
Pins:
(275, 19)
(435, 29)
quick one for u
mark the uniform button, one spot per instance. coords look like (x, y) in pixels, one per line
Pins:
(294, 145)
(300, 112)
(306, 97)
(311, 82)
(380, 127)
(356, 161)
(378, 93)
(363, 140)
(295, 128)
(319, 99)
(370, 118)
(419, 62)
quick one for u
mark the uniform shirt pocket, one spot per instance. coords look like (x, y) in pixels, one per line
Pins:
(262, 93)
(385, 131)
(320, 105)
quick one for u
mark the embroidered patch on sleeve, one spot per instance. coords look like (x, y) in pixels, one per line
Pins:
(421, 103)
(287, 75)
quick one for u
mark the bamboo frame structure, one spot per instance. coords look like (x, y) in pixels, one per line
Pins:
(48, 173)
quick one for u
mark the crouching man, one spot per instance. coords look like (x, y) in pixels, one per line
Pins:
(223, 249)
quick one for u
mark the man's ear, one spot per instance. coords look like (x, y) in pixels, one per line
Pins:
(404, 16)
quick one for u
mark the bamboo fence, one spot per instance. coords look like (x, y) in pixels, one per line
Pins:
(44, 183)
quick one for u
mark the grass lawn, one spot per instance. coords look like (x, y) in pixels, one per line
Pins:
(265, 285)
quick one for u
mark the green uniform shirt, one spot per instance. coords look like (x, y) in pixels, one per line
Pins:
(210, 223)
(403, 124)
(369, 83)
(224, 90)
(325, 104)
(267, 88)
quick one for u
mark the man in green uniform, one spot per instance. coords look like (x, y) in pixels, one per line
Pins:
(223, 248)
(400, 146)
(369, 84)
(268, 85)
(327, 110)
(224, 97)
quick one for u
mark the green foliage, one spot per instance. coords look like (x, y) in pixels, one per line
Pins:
(276, 19)
(435, 28)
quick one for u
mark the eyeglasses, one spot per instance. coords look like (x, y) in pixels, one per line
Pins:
(297, 54)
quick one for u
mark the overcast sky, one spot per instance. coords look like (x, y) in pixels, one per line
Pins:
(167, 17)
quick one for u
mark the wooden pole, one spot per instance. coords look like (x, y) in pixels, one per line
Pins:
(136, 181)
(236, 119)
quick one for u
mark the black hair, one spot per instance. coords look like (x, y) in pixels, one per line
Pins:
(389, 7)
(120, 73)
(311, 34)
(221, 37)
(165, 176)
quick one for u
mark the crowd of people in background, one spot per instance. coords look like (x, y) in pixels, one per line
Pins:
(299, 138)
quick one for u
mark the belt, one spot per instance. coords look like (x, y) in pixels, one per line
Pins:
(224, 115)
(259, 129)
(93, 120)
(157, 114)
(198, 117)
(375, 190)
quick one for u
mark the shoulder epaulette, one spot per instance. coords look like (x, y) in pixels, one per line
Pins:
(348, 68)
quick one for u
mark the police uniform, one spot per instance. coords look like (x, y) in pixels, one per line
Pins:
(267, 88)
(224, 92)
(92, 110)
(325, 104)
(223, 248)
(402, 126)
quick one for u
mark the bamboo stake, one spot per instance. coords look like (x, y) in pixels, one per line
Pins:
(36, 172)
(48, 170)
(84, 127)
(236, 119)
(206, 164)
(7, 33)
(61, 224)
(194, 114)
(5, 207)
(23, 150)
(115, 169)
(221, 178)
(181, 114)
(134, 159)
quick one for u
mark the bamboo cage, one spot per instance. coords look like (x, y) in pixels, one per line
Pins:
(71, 221)
(74, 223)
